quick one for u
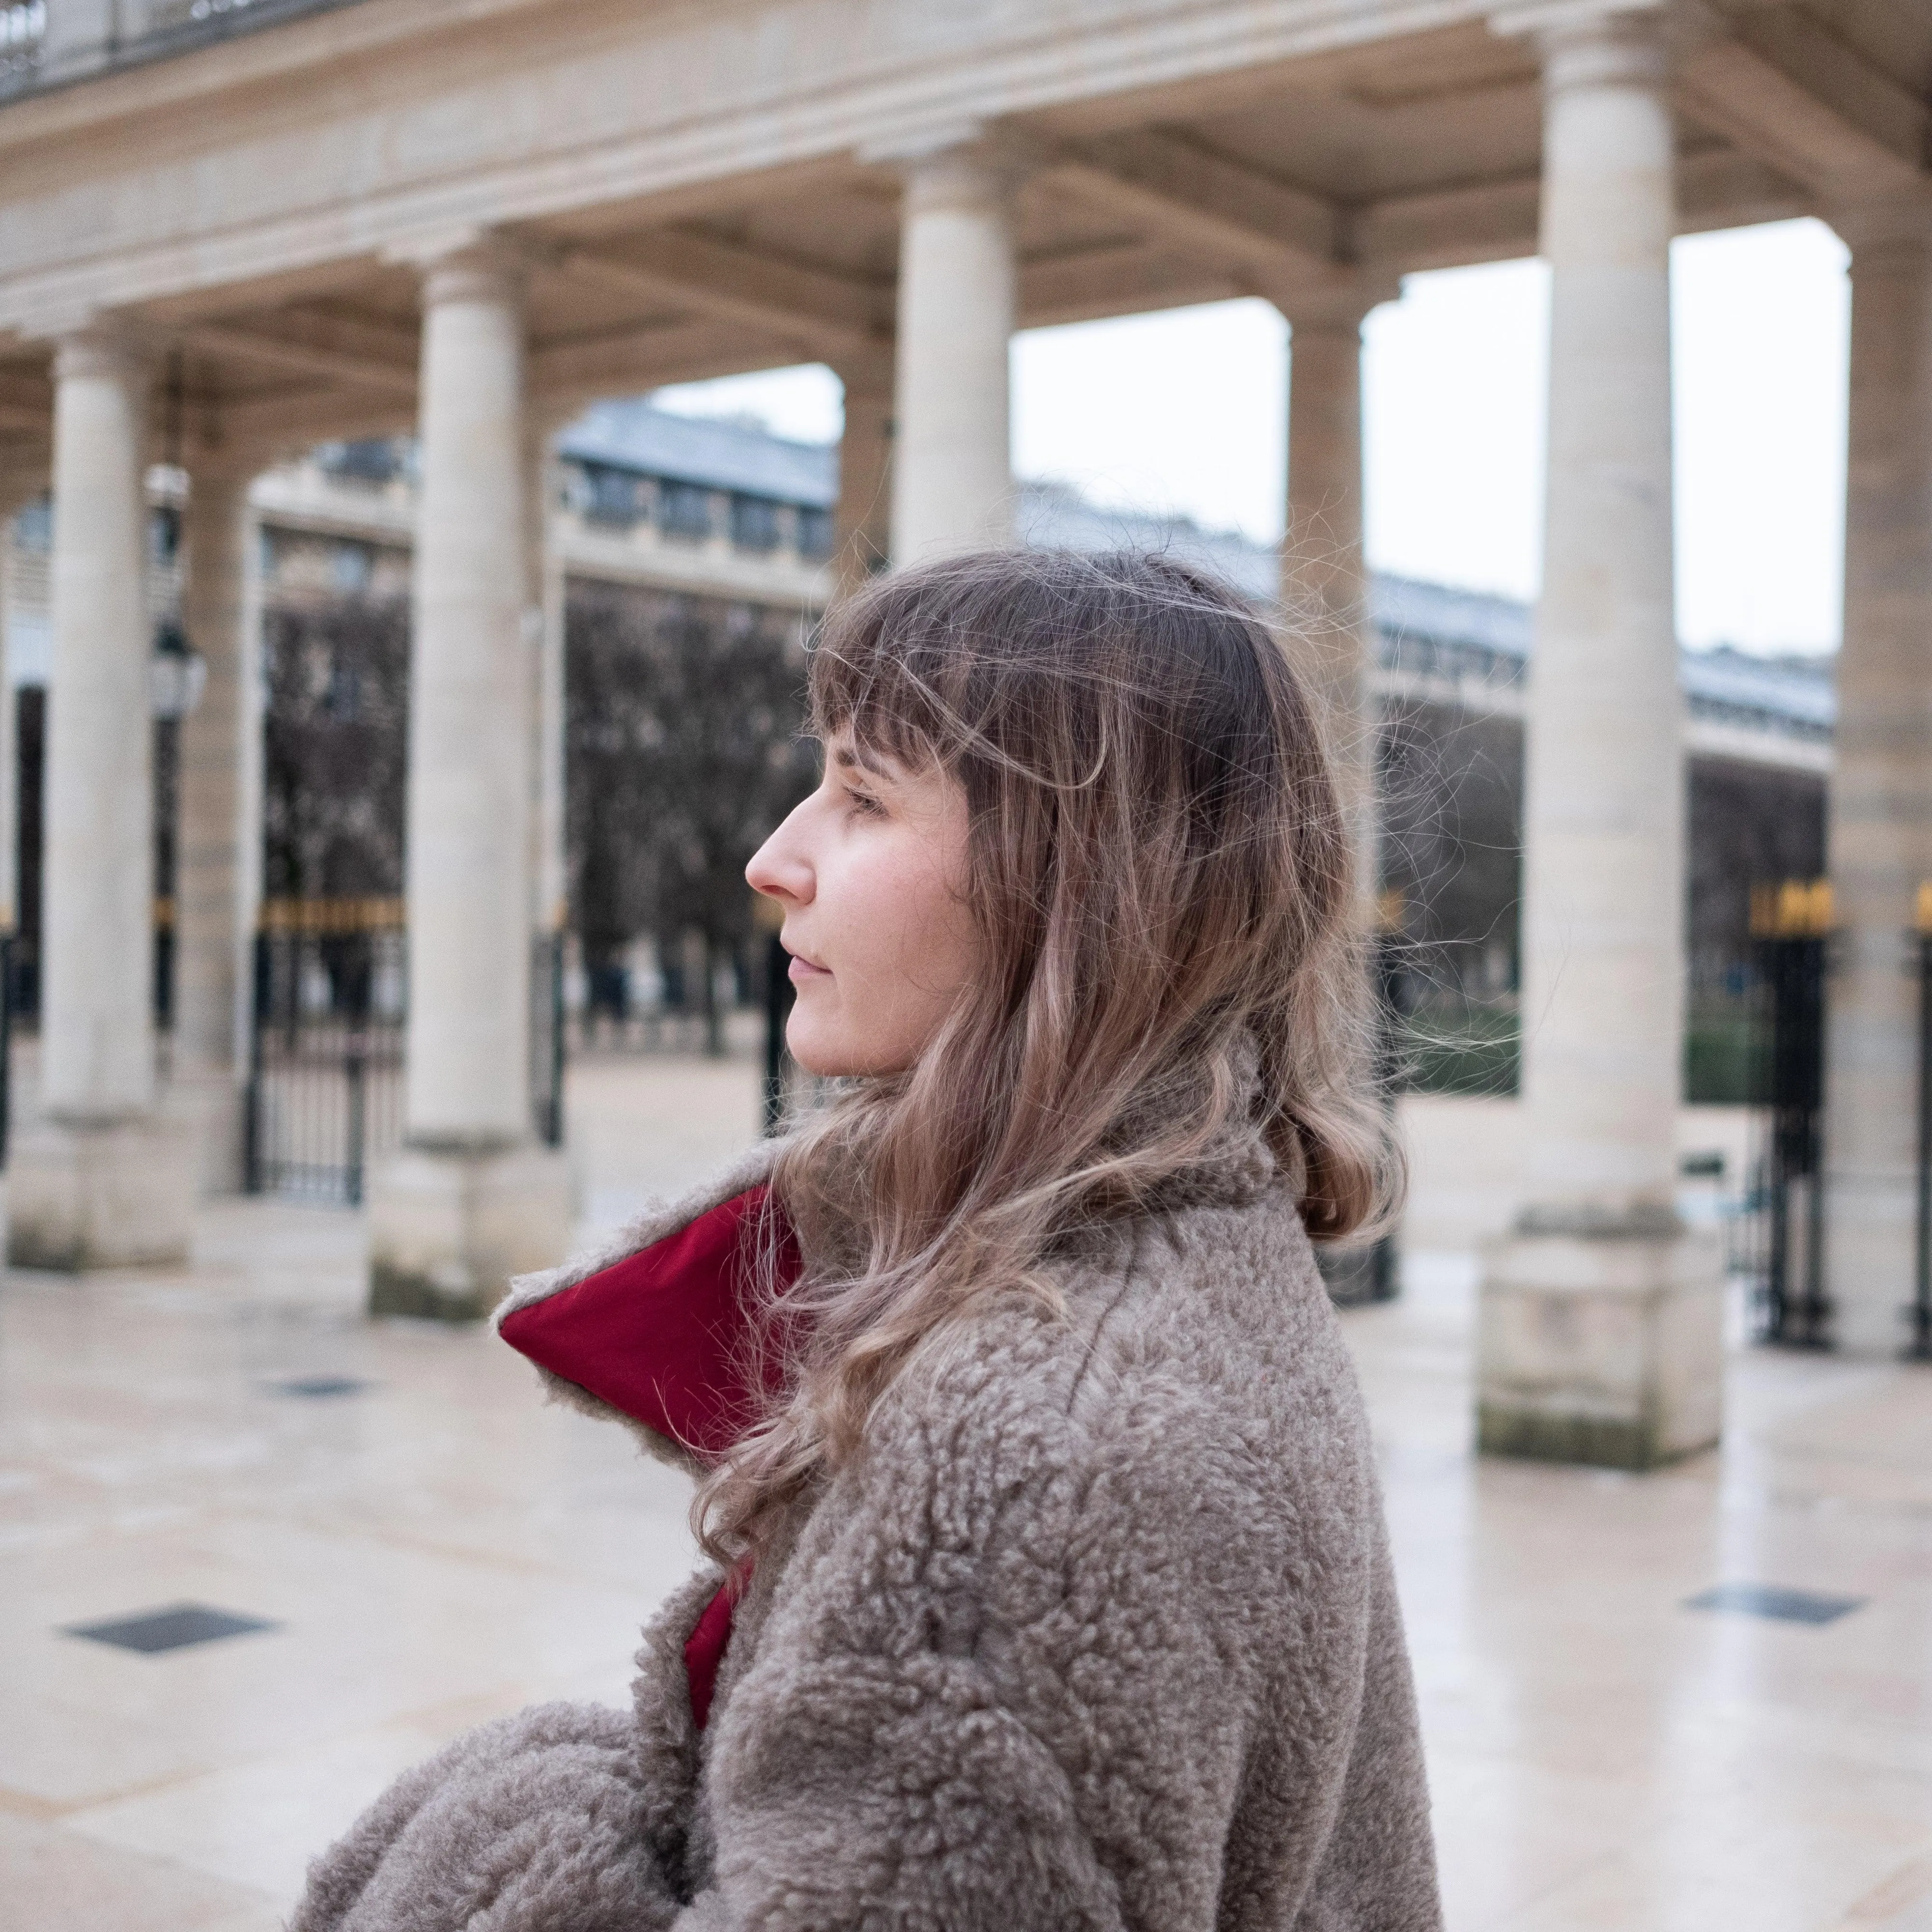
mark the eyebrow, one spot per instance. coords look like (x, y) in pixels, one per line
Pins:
(847, 756)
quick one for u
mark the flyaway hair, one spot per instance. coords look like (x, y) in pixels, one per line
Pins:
(1160, 876)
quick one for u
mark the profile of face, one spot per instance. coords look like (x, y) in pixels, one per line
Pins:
(870, 870)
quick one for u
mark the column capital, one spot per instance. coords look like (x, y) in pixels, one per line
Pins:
(964, 164)
(1592, 43)
(466, 264)
(872, 375)
(106, 347)
(1337, 307)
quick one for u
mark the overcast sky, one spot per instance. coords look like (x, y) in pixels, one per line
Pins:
(1185, 410)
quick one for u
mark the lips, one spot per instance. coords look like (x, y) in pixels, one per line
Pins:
(802, 969)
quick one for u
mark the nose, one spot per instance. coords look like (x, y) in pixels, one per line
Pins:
(779, 868)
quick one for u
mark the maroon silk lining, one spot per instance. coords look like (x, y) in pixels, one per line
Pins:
(660, 1335)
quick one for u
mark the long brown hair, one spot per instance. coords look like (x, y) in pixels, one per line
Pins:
(1161, 879)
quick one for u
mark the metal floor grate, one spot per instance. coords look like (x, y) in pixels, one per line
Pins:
(1767, 1600)
(175, 1627)
(317, 1386)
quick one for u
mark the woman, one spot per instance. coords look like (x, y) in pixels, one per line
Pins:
(1048, 1585)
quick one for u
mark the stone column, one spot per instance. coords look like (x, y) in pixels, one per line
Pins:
(951, 471)
(1325, 619)
(214, 897)
(1881, 790)
(103, 1180)
(862, 543)
(549, 882)
(1600, 1337)
(470, 1200)
(543, 623)
(1325, 581)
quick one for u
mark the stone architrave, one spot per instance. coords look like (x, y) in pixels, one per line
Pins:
(951, 475)
(862, 542)
(102, 1180)
(219, 823)
(1881, 786)
(1599, 1334)
(470, 1199)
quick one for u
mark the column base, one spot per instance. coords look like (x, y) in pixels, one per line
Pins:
(211, 1106)
(101, 1194)
(1600, 1347)
(448, 1229)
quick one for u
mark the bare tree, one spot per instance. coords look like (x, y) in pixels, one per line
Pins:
(683, 753)
(336, 748)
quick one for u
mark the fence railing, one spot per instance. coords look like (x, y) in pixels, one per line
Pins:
(325, 1093)
(325, 1099)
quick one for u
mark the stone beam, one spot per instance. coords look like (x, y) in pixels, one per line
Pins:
(1119, 279)
(339, 364)
(285, 424)
(564, 374)
(1723, 189)
(1792, 93)
(1204, 201)
(826, 314)
(1496, 221)
(26, 403)
(1485, 221)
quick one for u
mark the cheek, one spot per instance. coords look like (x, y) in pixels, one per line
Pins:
(906, 941)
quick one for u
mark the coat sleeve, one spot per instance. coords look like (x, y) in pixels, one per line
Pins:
(563, 1815)
(523, 1826)
(1009, 1686)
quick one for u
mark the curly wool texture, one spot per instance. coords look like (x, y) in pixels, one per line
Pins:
(1099, 1632)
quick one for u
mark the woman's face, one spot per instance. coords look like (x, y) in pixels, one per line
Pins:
(870, 870)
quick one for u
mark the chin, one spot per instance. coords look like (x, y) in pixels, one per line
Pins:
(816, 1055)
(837, 1059)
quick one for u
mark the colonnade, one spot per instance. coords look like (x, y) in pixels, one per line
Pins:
(1600, 1325)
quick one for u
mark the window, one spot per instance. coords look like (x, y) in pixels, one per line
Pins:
(754, 523)
(684, 509)
(374, 460)
(814, 535)
(611, 496)
(33, 527)
(164, 535)
(350, 568)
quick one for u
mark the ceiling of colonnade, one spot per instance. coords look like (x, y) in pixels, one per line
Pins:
(1370, 157)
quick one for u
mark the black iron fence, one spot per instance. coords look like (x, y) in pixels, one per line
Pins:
(331, 1003)
(1791, 924)
(1920, 1313)
(325, 1094)
(548, 1044)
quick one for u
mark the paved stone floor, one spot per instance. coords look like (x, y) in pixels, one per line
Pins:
(431, 1545)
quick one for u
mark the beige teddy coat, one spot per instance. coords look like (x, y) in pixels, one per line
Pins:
(1099, 1632)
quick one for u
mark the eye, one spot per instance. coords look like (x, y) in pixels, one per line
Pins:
(863, 802)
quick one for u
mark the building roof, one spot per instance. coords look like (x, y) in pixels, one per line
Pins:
(634, 434)
(1055, 515)
(1474, 630)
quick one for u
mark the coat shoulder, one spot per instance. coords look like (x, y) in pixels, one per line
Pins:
(1195, 1366)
